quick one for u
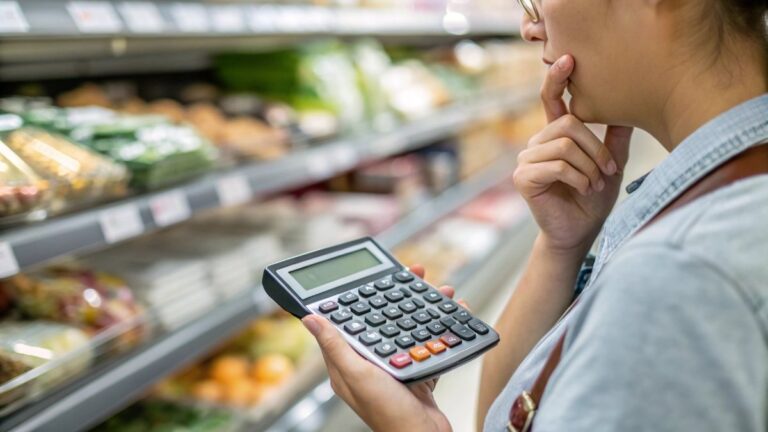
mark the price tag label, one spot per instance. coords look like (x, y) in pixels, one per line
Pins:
(120, 223)
(94, 17)
(190, 18)
(262, 19)
(8, 264)
(170, 208)
(233, 190)
(12, 19)
(142, 17)
(227, 19)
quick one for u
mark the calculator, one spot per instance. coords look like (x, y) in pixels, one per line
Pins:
(386, 313)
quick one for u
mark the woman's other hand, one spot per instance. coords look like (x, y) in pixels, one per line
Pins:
(568, 176)
(381, 401)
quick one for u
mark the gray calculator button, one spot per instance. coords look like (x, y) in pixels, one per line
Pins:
(392, 312)
(433, 297)
(421, 317)
(394, 296)
(403, 276)
(462, 316)
(389, 330)
(341, 316)
(328, 306)
(360, 308)
(405, 341)
(375, 319)
(478, 326)
(408, 307)
(433, 313)
(370, 338)
(366, 291)
(406, 323)
(348, 298)
(378, 302)
(384, 284)
(354, 327)
(447, 321)
(405, 292)
(419, 287)
(463, 332)
(448, 307)
(419, 304)
(384, 349)
(435, 328)
(423, 334)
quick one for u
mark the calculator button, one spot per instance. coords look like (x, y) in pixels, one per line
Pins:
(406, 323)
(447, 321)
(462, 316)
(433, 313)
(384, 349)
(392, 312)
(407, 307)
(394, 296)
(341, 316)
(419, 353)
(370, 338)
(366, 291)
(419, 287)
(450, 339)
(419, 304)
(378, 302)
(384, 284)
(448, 307)
(354, 327)
(348, 298)
(423, 334)
(421, 317)
(478, 326)
(328, 306)
(462, 332)
(405, 341)
(435, 328)
(400, 360)
(360, 308)
(405, 292)
(435, 346)
(403, 276)
(375, 319)
(389, 330)
(433, 297)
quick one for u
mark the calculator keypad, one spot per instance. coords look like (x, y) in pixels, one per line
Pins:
(403, 322)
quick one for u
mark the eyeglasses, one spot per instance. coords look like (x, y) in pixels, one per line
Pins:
(529, 6)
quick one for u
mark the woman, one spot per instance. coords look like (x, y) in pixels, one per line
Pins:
(671, 331)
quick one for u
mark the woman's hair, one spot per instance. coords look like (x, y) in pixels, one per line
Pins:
(747, 17)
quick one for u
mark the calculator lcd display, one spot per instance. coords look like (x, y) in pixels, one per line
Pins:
(319, 274)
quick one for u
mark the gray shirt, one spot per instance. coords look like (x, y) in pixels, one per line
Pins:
(671, 334)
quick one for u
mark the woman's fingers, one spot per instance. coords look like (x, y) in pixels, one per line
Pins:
(564, 149)
(418, 270)
(571, 127)
(336, 351)
(553, 89)
(532, 179)
(447, 291)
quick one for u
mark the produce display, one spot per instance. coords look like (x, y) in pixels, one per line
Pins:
(162, 416)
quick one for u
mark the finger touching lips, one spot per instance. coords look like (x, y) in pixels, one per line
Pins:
(555, 84)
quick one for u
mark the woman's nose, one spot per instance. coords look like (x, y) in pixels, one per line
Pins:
(531, 31)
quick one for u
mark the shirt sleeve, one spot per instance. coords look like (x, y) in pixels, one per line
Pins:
(669, 343)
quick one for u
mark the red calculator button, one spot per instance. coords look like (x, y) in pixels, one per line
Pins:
(450, 339)
(400, 360)
(435, 346)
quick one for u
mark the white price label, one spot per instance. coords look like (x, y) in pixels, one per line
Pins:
(8, 264)
(142, 17)
(120, 223)
(261, 19)
(12, 19)
(233, 190)
(189, 17)
(94, 17)
(227, 19)
(320, 164)
(170, 208)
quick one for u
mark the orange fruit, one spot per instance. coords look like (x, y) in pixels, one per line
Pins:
(229, 368)
(208, 391)
(272, 369)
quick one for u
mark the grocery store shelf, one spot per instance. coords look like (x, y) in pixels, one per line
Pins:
(97, 228)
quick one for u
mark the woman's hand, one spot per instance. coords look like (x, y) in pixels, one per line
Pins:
(568, 176)
(381, 401)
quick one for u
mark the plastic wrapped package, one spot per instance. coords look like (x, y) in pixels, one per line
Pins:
(23, 194)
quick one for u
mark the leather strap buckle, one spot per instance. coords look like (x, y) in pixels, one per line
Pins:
(523, 411)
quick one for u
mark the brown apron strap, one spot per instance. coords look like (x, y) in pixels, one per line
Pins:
(751, 162)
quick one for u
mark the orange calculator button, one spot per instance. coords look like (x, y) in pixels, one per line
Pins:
(419, 353)
(435, 346)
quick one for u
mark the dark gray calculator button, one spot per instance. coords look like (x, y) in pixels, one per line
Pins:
(435, 328)
(384, 349)
(448, 307)
(354, 327)
(419, 287)
(341, 316)
(433, 313)
(423, 334)
(462, 332)
(360, 308)
(447, 321)
(378, 302)
(419, 304)
(462, 316)
(370, 338)
(478, 326)
(366, 291)
(392, 312)
(407, 307)
(421, 317)
(384, 284)
(375, 319)
(403, 276)
(433, 297)
(405, 292)
(405, 341)
(406, 324)
(394, 296)
(348, 298)
(328, 306)
(389, 330)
